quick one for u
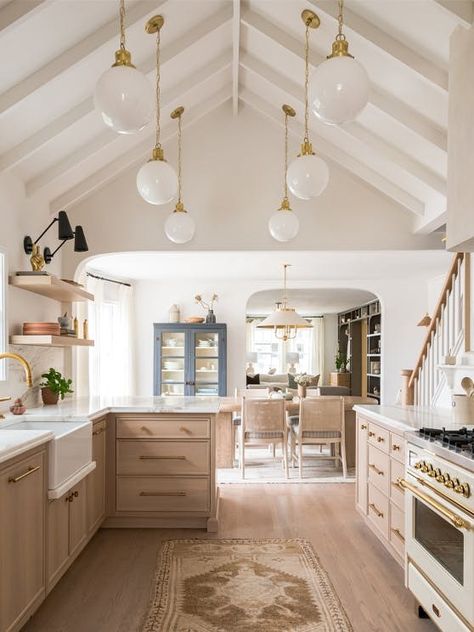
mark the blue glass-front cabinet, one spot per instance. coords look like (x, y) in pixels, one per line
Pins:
(190, 359)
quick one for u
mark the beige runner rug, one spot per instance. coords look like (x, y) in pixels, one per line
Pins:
(243, 586)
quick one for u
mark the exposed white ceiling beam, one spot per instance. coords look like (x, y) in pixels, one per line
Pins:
(32, 144)
(387, 103)
(136, 155)
(15, 12)
(426, 225)
(401, 160)
(236, 56)
(74, 55)
(173, 99)
(462, 9)
(337, 156)
(385, 42)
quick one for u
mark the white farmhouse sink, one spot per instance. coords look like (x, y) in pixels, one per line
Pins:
(69, 451)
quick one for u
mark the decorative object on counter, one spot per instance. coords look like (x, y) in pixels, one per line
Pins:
(123, 95)
(85, 329)
(339, 87)
(284, 224)
(292, 357)
(341, 362)
(174, 314)
(18, 407)
(54, 386)
(463, 409)
(80, 245)
(252, 356)
(180, 225)
(425, 321)
(211, 317)
(156, 180)
(303, 380)
(194, 320)
(307, 175)
(467, 386)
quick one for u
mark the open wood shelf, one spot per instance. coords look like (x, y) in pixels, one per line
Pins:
(51, 341)
(51, 287)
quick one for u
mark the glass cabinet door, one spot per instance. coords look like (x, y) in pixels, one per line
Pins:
(206, 363)
(172, 369)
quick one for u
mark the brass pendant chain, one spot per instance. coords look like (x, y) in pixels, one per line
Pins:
(285, 188)
(158, 94)
(122, 24)
(306, 82)
(179, 160)
(340, 20)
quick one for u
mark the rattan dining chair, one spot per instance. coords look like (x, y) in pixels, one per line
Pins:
(263, 423)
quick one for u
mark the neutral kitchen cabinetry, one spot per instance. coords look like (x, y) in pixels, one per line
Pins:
(379, 498)
(22, 537)
(95, 482)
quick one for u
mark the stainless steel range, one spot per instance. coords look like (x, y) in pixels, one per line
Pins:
(439, 489)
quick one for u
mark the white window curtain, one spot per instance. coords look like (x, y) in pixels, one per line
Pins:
(317, 359)
(111, 324)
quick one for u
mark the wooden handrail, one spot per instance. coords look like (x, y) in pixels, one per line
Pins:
(447, 287)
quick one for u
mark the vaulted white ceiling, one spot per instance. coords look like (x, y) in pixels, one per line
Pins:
(53, 52)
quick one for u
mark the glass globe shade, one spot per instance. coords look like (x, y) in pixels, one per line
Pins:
(124, 97)
(157, 182)
(283, 225)
(180, 227)
(307, 176)
(338, 90)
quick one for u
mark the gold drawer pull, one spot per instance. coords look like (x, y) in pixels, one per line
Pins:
(397, 486)
(162, 494)
(98, 432)
(146, 457)
(395, 447)
(380, 439)
(371, 434)
(363, 427)
(377, 511)
(29, 471)
(146, 429)
(399, 534)
(376, 469)
(185, 430)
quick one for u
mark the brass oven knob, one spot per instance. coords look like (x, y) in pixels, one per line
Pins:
(439, 476)
(462, 488)
(432, 472)
(448, 482)
(418, 465)
(424, 468)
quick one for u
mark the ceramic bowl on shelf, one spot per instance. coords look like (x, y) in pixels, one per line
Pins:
(194, 320)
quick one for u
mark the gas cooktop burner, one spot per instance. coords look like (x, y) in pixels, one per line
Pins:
(460, 440)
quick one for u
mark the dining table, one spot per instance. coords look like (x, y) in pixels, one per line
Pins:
(225, 435)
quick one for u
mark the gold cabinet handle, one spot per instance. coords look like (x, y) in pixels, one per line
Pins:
(395, 447)
(399, 534)
(185, 430)
(146, 429)
(29, 471)
(376, 469)
(397, 486)
(377, 511)
(98, 432)
(149, 457)
(5, 399)
(380, 439)
(162, 494)
(456, 520)
(371, 434)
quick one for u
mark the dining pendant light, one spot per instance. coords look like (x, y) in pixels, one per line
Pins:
(284, 321)
(284, 224)
(307, 175)
(123, 95)
(179, 226)
(156, 180)
(339, 87)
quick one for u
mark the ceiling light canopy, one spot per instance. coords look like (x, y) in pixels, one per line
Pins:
(284, 224)
(339, 87)
(308, 175)
(284, 320)
(156, 180)
(123, 95)
(179, 226)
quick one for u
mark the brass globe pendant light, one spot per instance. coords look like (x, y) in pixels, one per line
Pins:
(284, 224)
(339, 87)
(156, 180)
(179, 226)
(123, 95)
(308, 175)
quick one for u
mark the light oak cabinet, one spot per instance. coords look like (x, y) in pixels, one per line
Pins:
(380, 462)
(23, 486)
(95, 482)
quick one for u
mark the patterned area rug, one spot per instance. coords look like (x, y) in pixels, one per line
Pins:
(243, 586)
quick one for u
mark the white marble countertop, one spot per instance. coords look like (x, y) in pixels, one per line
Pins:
(409, 418)
(16, 442)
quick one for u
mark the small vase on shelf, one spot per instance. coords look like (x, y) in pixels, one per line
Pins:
(211, 317)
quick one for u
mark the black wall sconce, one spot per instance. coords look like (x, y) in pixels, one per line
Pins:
(80, 245)
(65, 232)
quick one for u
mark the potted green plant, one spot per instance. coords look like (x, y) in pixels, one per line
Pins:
(340, 361)
(54, 386)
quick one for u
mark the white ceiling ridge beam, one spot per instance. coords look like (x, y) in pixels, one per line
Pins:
(387, 103)
(17, 11)
(338, 157)
(136, 155)
(236, 56)
(430, 223)
(32, 144)
(175, 98)
(75, 54)
(386, 43)
(462, 9)
(400, 159)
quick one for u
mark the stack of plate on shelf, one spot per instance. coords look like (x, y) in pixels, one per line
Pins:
(41, 329)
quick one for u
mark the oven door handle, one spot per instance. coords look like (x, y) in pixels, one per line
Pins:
(456, 520)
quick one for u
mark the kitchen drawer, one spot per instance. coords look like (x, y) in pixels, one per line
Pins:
(163, 457)
(162, 494)
(397, 529)
(445, 618)
(397, 447)
(145, 428)
(379, 437)
(397, 494)
(379, 469)
(378, 510)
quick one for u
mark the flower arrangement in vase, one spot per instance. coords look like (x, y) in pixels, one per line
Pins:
(303, 380)
(210, 317)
